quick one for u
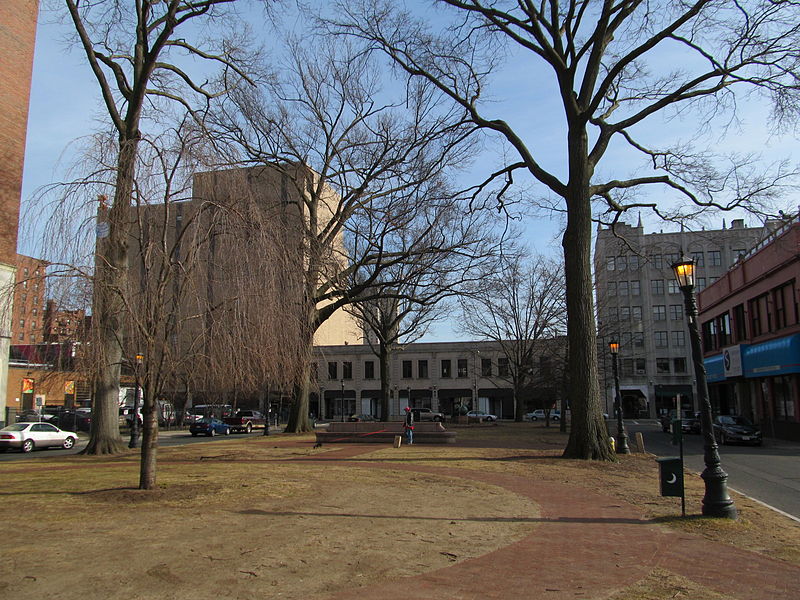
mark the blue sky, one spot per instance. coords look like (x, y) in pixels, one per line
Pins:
(65, 106)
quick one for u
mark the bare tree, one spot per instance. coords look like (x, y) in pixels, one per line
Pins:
(369, 178)
(518, 308)
(605, 66)
(132, 50)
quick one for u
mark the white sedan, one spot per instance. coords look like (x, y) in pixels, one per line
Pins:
(27, 436)
(479, 414)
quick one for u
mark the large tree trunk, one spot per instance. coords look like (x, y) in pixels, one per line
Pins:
(588, 438)
(518, 407)
(298, 415)
(147, 466)
(110, 283)
(386, 381)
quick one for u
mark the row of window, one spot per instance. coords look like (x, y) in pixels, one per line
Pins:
(661, 339)
(633, 288)
(770, 312)
(446, 369)
(664, 366)
(660, 261)
(627, 313)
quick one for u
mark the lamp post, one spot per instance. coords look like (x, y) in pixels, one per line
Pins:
(716, 501)
(622, 436)
(134, 441)
(342, 403)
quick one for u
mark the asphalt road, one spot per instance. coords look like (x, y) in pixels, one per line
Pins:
(769, 473)
(165, 439)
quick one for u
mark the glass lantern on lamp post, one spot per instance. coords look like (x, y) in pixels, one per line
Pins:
(716, 501)
(622, 436)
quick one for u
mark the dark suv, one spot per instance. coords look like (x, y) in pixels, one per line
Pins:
(426, 414)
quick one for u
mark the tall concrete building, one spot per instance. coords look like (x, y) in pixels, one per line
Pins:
(640, 305)
(17, 36)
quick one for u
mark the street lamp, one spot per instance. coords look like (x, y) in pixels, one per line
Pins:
(622, 436)
(716, 501)
(134, 441)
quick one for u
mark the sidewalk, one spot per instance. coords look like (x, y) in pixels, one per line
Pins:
(586, 546)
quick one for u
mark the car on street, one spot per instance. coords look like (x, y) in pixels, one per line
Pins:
(359, 418)
(209, 426)
(426, 414)
(479, 414)
(74, 420)
(555, 415)
(729, 429)
(690, 422)
(26, 437)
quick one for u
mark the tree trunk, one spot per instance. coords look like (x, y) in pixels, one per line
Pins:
(110, 283)
(518, 408)
(298, 415)
(588, 438)
(386, 381)
(147, 466)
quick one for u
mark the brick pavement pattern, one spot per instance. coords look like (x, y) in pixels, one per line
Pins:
(587, 546)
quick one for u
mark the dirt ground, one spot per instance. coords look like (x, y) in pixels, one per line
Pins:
(240, 519)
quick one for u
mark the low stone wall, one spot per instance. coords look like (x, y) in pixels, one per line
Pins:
(384, 433)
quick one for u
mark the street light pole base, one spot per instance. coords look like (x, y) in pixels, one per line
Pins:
(717, 502)
(622, 444)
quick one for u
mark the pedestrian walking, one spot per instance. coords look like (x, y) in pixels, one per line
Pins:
(408, 426)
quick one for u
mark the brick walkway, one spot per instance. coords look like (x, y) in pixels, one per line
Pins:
(586, 546)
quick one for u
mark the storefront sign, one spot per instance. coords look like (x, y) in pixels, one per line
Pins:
(732, 360)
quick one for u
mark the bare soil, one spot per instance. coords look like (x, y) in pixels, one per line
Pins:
(241, 519)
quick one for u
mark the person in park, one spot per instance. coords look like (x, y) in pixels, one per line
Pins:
(408, 426)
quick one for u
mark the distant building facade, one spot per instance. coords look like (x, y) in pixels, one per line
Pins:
(17, 37)
(750, 325)
(28, 314)
(438, 375)
(640, 305)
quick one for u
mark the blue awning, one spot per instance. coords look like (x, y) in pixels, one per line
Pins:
(775, 357)
(715, 368)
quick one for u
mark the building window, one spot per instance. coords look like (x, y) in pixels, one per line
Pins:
(407, 369)
(612, 288)
(25, 271)
(622, 263)
(613, 315)
(635, 288)
(622, 288)
(626, 367)
(671, 258)
(422, 369)
(22, 322)
(739, 324)
(659, 312)
(678, 339)
(633, 262)
(660, 339)
(636, 313)
(784, 305)
(333, 369)
(502, 367)
(672, 287)
(737, 254)
(699, 259)
(638, 339)
(347, 369)
(611, 263)
(462, 368)
(700, 284)
(625, 313)
(657, 261)
(675, 312)
(657, 287)
(24, 285)
(662, 365)
(446, 372)
(679, 364)
(369, 369)
(486, 367)
(641, 366)
(714, 258)
(21, 337)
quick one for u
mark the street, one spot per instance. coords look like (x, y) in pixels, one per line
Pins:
(769, 473)
(165, 438)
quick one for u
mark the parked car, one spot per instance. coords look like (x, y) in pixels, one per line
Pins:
(426, 414)
(209, 426)
(73, 420)
(733, 428)
(28, 436)
(245, 420)
(365, 418)
(479, 414)
(555, 415)
(690, 422)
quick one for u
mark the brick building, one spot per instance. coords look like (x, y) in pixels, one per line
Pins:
(17, 37)
(750, 325)
(28, 314)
